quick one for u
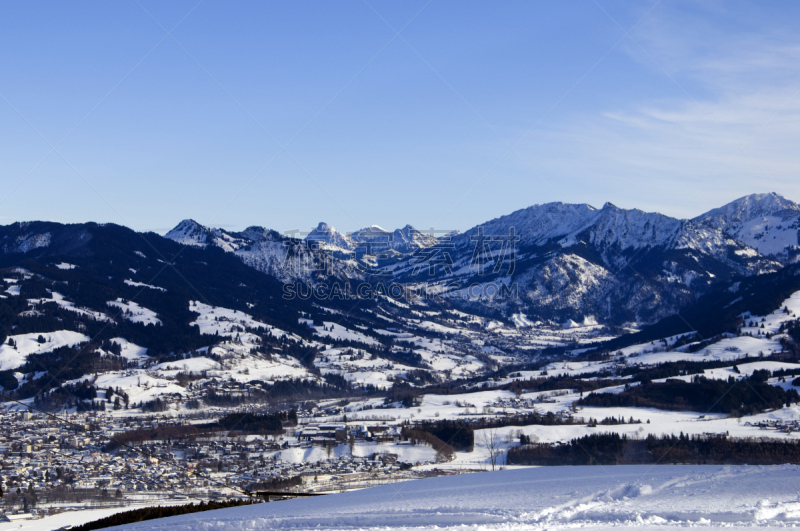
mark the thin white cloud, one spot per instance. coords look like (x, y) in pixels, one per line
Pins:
(732, 127)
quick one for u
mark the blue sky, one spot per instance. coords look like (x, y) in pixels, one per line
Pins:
(285, 114)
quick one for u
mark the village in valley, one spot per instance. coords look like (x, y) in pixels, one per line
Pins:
(131, 453)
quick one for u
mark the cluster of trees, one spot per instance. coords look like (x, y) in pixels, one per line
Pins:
(246, 423)
(555, 383)
(793, 329)
(791, 344)
(458, 434)
(265, 424)
(734, 397)
(26, 498)
(334, 386)
(151, 513)
(8, 381)
(718, 449)
(420, 377)
(214, 399)
(612, 421)
(163, 432)
(443, 449)
(274, 484)
(154, 406)
(404, 357)
(82, 396)
(612, 449)
(17, 498)
(172, 335)
(671, 369)
(594, 449)
(524, 419)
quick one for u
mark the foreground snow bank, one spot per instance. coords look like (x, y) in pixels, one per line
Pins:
(551, 497)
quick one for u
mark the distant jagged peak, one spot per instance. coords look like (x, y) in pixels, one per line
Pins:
(328, 236)
(257, 233)
(370, 232)
(190, 232)
(408, 239)
(409, 231)
(324, 228)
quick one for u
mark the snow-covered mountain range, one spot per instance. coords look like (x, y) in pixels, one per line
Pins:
(565, 261)
(554, 262)
(609, 262)
(284, 257)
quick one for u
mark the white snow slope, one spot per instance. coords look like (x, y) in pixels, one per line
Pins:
(535, 498)
(13, 357)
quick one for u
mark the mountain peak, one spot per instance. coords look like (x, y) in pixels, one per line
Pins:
(371, 230)
(538, 224)
(752, 206)
(408, 239)
(768, 222)
(187, 223)
(329, 236)
(189, 232)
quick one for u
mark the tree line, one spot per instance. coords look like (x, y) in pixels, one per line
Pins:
(734, 397)
(616, 449)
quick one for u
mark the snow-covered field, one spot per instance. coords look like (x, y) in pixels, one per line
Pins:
(75, 518)
(57, 521)
(12, 357)
(59, 299)
(133, 312)
(230, 323)
(535, 498)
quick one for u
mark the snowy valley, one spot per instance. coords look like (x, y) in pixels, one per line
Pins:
(211, 365)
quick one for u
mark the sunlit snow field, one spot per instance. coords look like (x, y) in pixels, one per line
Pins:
(536, 498)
